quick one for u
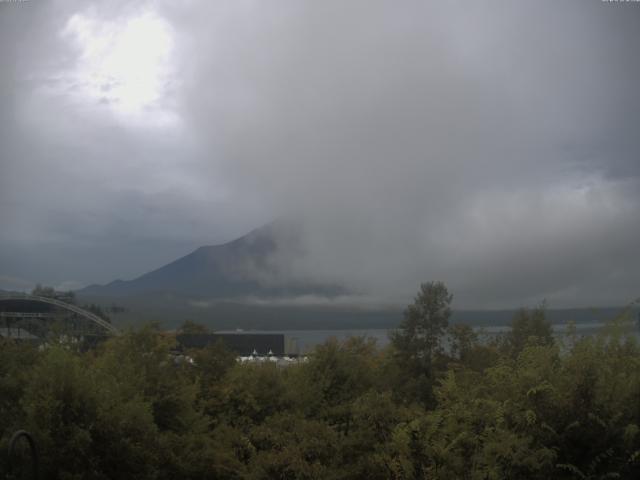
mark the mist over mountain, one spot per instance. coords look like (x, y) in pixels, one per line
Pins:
(254, 282)
(249, 266)
(490, 145)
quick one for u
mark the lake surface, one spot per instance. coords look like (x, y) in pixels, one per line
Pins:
(308, 339)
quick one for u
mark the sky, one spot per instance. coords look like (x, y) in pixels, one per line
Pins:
(493, 145)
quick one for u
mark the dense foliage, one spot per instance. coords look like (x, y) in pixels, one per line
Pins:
(522, 406)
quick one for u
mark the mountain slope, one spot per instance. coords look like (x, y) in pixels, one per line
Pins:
(247, 266)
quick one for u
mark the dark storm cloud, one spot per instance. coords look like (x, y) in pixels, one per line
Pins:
(489, 144)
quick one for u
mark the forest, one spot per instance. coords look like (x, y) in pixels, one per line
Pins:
(523, 405)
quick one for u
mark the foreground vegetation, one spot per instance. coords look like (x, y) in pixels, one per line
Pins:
(518, 407)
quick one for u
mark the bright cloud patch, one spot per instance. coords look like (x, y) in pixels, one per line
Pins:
(125, 65)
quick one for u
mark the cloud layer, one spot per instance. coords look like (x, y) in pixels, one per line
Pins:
(492, 145)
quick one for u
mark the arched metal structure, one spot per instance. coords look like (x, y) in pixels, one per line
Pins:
(32, 449)
(82, 313)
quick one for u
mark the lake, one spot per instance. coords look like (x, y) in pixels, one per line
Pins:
(308, 339)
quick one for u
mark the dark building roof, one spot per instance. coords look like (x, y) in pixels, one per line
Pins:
(240, 343)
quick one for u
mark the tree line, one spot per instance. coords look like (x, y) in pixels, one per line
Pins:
(524, 405)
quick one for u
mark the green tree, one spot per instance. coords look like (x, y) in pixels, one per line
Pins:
(336, 375)
(418, 340)
(191, 327)
(529, 327)
(462, 341)
(425, 321)
(50, 292)
(85, 423)
(291, 447)
(43, 291)
(211, 365)
(252, 393)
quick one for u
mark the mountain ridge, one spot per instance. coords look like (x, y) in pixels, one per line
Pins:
(246, 266)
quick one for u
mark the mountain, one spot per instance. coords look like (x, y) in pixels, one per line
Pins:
(211, 284)
(248, 266)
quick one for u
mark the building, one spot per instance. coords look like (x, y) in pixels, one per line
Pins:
(243, 344)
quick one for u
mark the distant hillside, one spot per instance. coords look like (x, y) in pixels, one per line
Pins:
(171, 310)
(211, 285)
(243, 267)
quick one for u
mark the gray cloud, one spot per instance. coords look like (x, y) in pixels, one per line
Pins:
(488, 144)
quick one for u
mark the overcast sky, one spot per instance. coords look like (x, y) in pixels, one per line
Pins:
(494, 145)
